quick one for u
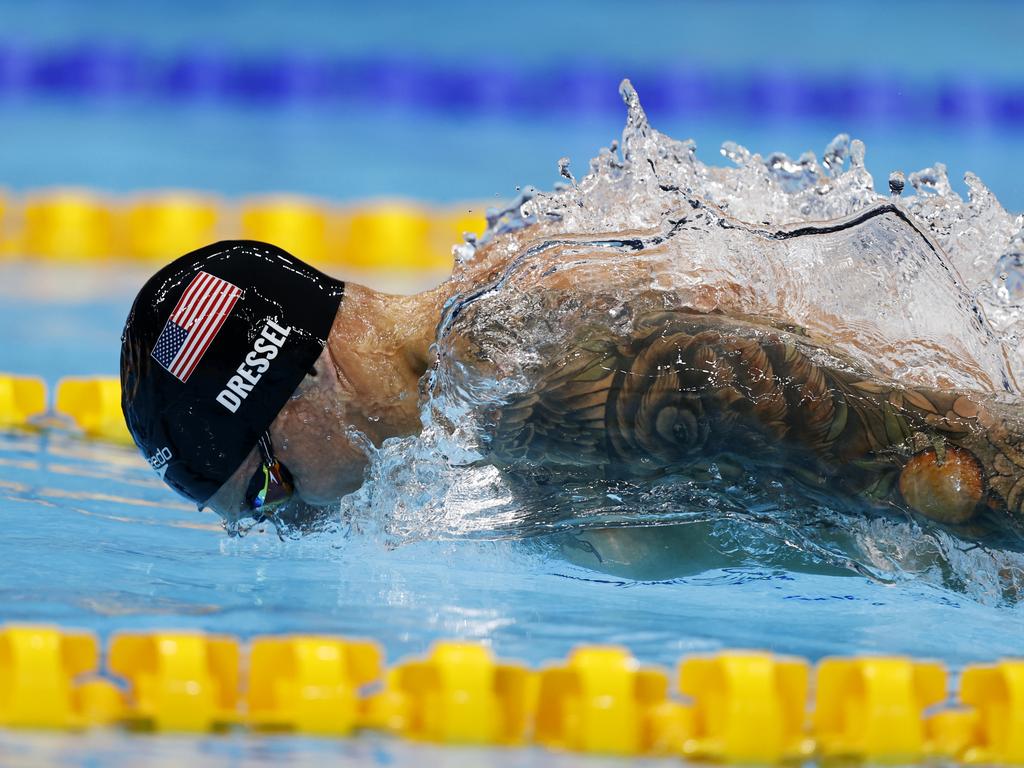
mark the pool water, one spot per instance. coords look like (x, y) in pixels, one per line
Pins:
(26, 749)
(387, 142)
(94, 540)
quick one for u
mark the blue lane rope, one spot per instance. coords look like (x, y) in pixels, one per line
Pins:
(103, 71)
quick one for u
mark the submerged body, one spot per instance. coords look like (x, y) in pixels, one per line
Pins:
(712, 399)
(627, 366)
(688, 390)
(583, 381)
(614, 358)
(659, 392)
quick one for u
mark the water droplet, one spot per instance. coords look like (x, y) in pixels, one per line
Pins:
(735, 152)
(977, 192)
(564, 172)
(836, 153)
(931, 181)
(897, 181)
(857, 152)
(1010, 277)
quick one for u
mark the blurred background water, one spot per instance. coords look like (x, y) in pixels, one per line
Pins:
(468, 100)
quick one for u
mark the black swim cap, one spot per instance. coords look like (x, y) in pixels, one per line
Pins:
(215, 344)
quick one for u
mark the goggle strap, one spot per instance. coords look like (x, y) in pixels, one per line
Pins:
(266, 451)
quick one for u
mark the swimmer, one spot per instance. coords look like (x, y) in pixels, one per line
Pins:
(249, 379)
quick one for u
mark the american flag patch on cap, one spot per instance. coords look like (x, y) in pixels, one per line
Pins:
(194, 323)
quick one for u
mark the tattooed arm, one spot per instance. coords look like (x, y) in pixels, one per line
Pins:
(684, 389)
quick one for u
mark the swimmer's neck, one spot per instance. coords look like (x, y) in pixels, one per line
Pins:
(381, 347)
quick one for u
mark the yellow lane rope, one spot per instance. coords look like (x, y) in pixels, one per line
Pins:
(87, 226)
(734, 706)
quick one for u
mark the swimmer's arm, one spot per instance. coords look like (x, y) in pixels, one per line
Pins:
(686, 388)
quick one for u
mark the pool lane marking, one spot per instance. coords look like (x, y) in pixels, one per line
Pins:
(167, 607)
(32, 499)
(71, 447)
(95, 451)
(60, 493)
(67, 469)
(142, 482)
(20, 464)
(84, 453)
(15, 443)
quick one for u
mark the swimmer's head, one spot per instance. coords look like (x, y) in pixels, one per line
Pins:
(219, 345)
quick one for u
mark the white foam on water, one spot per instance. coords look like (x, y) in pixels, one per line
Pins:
(923, 290)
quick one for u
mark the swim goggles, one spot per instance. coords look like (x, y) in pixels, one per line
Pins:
(271, 485)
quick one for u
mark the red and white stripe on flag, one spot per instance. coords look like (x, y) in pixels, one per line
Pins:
(194, 323)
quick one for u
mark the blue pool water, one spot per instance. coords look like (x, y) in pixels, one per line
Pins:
(388, 141)
(27, 750)
(93, 540)
(91, 537)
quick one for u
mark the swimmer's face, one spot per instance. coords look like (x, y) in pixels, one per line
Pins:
(311, 437)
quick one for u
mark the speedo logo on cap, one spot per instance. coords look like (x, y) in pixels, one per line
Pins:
(193, 325)
(256, 363)
(158, 461)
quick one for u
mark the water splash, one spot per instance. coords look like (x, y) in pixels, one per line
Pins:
(924, 290)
